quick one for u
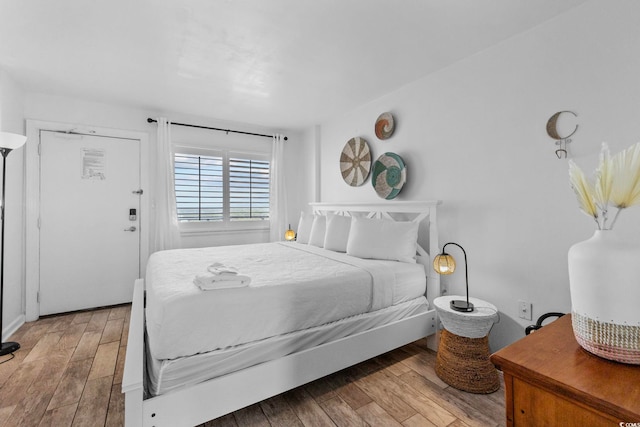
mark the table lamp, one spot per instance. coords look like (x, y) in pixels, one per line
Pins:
(445, 264)
(289, 234)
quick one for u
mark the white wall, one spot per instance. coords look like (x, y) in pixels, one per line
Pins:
(473, 135)
(12, 120)
(76, 111)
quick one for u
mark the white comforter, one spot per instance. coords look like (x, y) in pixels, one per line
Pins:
(293, 287)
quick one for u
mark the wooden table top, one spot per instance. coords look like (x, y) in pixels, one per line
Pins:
(552, 358)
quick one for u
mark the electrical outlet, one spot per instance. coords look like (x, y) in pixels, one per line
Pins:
(524, 309)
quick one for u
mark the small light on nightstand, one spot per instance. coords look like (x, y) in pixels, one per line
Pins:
(289, 235)
(446, 264)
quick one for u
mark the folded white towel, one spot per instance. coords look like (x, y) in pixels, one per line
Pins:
(221, 269)
(208, 281)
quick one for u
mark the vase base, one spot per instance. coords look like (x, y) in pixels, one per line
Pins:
(620, 343)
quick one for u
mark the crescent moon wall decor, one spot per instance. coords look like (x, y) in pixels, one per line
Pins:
(561, 141)
(389, 175)
(355, 161)
(384, 126)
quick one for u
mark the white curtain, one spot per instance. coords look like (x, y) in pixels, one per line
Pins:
(277, 191)
(167, 234)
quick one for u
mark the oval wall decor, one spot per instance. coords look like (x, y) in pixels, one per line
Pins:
(552, 126)
(389, 175)
(384, 126)
(355, 161)
(561, 141)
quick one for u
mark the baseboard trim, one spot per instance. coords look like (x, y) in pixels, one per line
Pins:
(12, 327)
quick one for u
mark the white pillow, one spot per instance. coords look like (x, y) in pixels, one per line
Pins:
(337, 234)
(383, 239)
(318, 230)
(304, 228)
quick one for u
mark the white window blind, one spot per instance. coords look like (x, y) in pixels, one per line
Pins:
(199, 187)
(248, 189)
(221, 188)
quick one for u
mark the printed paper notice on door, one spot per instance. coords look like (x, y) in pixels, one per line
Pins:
(93, 164)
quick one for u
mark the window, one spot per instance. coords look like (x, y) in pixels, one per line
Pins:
(199, 188)
(248, 189)
(221, 187)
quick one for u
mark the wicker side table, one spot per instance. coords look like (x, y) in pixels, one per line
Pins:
(463, 353)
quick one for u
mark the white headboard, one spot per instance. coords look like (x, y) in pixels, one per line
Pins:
(421, 211)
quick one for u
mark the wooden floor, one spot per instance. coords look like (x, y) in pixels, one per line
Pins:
(68, 372)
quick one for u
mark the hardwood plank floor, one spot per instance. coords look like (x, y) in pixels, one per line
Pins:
(68, 372)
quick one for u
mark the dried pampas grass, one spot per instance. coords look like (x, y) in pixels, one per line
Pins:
(626, 168)
(617, 184)
(604, 179)
(583, 189)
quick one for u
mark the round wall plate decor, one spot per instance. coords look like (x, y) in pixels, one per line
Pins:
(355, 161)
(389, 175)
(552, 126)
(384, 126)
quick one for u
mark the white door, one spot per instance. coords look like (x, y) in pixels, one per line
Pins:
(89, 243)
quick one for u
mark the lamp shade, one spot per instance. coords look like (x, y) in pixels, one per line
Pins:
(11, 140)
(444, 264)
(289, 234)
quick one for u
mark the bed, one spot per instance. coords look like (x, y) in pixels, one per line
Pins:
(196, 355)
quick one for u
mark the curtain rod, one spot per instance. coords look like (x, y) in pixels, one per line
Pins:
(150, 120)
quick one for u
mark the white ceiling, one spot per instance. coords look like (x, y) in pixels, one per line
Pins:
(278, 63)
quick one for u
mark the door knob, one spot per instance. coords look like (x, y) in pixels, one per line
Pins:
(132, 228)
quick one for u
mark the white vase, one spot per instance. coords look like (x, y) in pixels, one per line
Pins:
(604, 277)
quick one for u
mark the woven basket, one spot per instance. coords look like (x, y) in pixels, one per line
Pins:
(609, 340)
(464, 363)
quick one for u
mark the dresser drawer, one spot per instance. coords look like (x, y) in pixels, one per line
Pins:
(533, 406)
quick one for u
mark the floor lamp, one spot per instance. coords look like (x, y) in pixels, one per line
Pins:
(8, 142)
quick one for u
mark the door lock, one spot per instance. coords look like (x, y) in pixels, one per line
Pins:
(132, 228)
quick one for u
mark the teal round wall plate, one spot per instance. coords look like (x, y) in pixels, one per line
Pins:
(389, 175)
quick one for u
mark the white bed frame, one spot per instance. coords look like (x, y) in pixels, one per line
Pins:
(219, 396)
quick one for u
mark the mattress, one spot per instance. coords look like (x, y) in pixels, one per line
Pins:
(168, 375)
(293, 287)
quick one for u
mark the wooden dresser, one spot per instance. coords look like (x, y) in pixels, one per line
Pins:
(551, 381)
